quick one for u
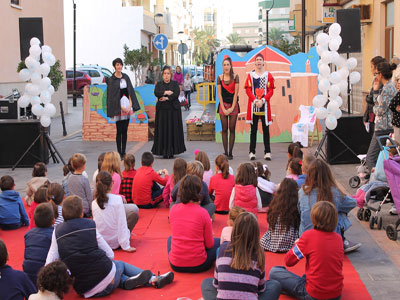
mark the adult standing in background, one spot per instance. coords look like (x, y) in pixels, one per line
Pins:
(157, 74)
(121, 103)
(150, 75)
(168, 134)
(178, 77)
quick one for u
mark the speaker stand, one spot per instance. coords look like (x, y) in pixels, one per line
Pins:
(320, 152)
(52, 148)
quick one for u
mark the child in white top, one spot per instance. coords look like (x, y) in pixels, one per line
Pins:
(227, 231)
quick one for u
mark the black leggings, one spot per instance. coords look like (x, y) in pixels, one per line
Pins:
(122, 135)
(231, 121)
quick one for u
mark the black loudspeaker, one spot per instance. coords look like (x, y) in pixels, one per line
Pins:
(29, 28)
(16, 137)
(8, 109)
(351, 131)
(349, 20)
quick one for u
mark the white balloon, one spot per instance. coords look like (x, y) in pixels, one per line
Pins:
(46, 48)
(335, 29)
(36, 78)
(49, 109)
(334, 44)
(335, 57)
(44, 69)
(45, 83)
(24, 74)
(324, 70)
(24, 101)
(332, 107)
(45, 120)
(320, 77)
(351, 63)
(35, 50)
(338, 100)
(319, 63)
(324, 85)
(321, 49)
(34, 41)
(338, 114)
(341, 62)
(322, 39)
(33, 90)
(31, 63)
(319, 101)
(326, 57)
(321, 113)
(37, 110)
(51, 89)
(344, 73)
(331, 122)
(339, 38)
(49, 58)
(45, 96)
(27, 87)
(334, 91)
(343, 86)
(335, 77)
(354, 77)
(35, 100)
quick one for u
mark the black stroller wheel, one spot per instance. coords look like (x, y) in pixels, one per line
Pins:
(366, 214)
(372, 222)
(360, 212)
(380, 223)
(391, 232)
(354, 182)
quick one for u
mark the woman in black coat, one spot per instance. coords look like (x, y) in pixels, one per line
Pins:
(168, 135)
(120, 108)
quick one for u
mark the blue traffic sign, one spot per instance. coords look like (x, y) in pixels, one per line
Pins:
(160, 41)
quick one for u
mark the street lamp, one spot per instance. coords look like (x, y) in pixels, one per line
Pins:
(160, 55)
(74, 39)
(267, 13)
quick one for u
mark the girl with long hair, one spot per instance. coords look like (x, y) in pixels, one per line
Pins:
(179, 171)
(202, 157)
(245, 193)
(294, 151)
(221, 184)
(240, 266)
(228, 108)
(321, 186)
(109, 214)
(283, 219)
(112, 165)
(265, 187)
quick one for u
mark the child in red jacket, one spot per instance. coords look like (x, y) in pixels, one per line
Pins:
(323, 249)
(146, 192)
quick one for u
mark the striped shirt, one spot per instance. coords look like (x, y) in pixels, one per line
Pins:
(60, 218)
(236, 284)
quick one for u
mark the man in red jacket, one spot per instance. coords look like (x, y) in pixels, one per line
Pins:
(259, 87)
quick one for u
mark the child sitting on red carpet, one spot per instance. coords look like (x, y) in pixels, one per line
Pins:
(245, 193)
(39, 178)
(202, 157)
(323, 249)
(295, 168)
(146, 190)
(179, 170)
(265, 187)
(127, 177)
(54, 282)
(226, 232)
(14, 285)
(55, 194)
(38, 240)
(39, 197)
(12, 211)
(283, 219)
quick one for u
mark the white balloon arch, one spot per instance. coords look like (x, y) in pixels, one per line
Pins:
(333, 86)
(39, 90)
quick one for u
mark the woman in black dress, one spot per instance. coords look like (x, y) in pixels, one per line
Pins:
(168, 135)
(121, 103)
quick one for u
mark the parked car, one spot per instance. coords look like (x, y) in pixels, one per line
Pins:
(198, 78)
(82, 79)
(96, 72)
(192, 69)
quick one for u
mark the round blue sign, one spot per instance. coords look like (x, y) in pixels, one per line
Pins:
(160, 41)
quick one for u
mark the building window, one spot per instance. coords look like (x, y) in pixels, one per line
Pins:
(389, 30)
(283, 91)
(288, 83)
(16, 2)
(29, 28)
(290, 99)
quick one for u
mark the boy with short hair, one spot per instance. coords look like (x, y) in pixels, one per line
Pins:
(13, 284)
(12, 210)
(90, 259)
(79, 185)
(146, 193)
(323, 249)
(38, 240)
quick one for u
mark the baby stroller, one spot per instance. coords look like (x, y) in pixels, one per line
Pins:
(392, 170)
(362, 176)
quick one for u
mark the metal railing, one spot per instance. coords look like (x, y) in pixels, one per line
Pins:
(208, 93)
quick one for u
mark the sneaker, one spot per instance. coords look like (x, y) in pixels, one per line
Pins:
(138, 280)
(393, 211)
(161, 280)
(267, 156)
(350, 246)
(252, 156)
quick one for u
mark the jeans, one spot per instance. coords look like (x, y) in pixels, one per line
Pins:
(187, 95)
(272, 290)
(292, 284)
(122, 273)
(373, 150)
(211, 257)
(253, 134)
(122, 135)
(10, 226)
(156, 197)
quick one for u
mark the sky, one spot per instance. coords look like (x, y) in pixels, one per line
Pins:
(243, 10)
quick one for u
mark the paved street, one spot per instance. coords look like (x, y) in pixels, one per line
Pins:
(377, 261)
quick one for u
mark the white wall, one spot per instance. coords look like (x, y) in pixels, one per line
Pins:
(102, 28)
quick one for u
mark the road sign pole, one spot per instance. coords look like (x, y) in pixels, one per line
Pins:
(160, 55)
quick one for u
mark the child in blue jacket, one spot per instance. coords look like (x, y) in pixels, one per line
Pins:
(12, 211)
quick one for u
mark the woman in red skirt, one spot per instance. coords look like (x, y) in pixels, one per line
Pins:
(228, 108)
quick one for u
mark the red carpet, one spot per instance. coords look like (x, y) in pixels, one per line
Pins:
(152, 232)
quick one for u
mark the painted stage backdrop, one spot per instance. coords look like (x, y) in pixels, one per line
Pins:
(296, 82)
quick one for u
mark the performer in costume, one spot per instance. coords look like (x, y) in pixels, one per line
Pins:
(259, 87)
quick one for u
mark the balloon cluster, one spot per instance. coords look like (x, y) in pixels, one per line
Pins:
(332, 85)
(39, 90)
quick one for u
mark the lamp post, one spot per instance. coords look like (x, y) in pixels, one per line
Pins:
(181, 33)
(74, 42)
(160, 54)
(266, 23)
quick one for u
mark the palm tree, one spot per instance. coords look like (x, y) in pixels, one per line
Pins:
(234, 39)
(205, 42)
(275, 34)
